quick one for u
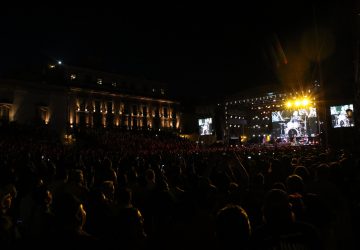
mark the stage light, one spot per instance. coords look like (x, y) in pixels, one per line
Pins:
(305, 102)
(301, 102)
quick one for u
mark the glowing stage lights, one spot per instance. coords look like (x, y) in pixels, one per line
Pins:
(298, 102)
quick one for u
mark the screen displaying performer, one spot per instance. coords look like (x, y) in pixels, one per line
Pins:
(205, 126)
(288, 124)
(342, 116)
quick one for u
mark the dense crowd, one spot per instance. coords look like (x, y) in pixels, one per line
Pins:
(124, 189)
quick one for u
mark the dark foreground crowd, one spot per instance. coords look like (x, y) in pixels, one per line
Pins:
(141, 190)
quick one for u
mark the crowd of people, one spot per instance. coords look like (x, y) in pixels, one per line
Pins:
(124, 189)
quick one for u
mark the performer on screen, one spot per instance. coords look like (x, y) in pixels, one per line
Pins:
(343, 120)
(293, 126)
(295, 118)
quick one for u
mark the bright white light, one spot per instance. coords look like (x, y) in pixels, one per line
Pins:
(59, 62)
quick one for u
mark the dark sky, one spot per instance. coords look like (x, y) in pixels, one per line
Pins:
(208, 49)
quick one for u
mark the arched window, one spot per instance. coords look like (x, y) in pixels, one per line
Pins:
(5, 109)
(44, 114)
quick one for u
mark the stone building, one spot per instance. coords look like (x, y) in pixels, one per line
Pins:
(66, 97)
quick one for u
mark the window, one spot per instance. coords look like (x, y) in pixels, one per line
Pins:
(99, 81)
(157, 114)
(44, 114)
(162, 91)
(5, 112)
(126, 109)
(109, 107)
(135, 111)
(144, 111)
(82, 105)
(97, 106)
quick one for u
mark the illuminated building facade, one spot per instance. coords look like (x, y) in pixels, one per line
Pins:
(68, 97)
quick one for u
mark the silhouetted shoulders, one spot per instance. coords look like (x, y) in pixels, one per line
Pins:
(295, 235)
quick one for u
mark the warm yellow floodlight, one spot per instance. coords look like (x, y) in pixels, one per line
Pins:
(305, 102)
(300, 102)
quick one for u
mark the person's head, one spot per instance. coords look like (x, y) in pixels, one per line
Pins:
(295, 161)
(233, 226)
(279, 185)
(323, 172)
(295, 184)
(77, 177)
(107, 163)
(150, 176)
(277, 208)
(69, 211)
(108, 189)
(5, 200)
(303, 172)
(43, 196)
(12, 189)
(125, 197)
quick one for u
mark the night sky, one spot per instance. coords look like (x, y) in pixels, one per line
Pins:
(200, 50)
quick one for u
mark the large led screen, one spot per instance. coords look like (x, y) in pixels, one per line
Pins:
(342, 116)
(205, 126)
(292, 123)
